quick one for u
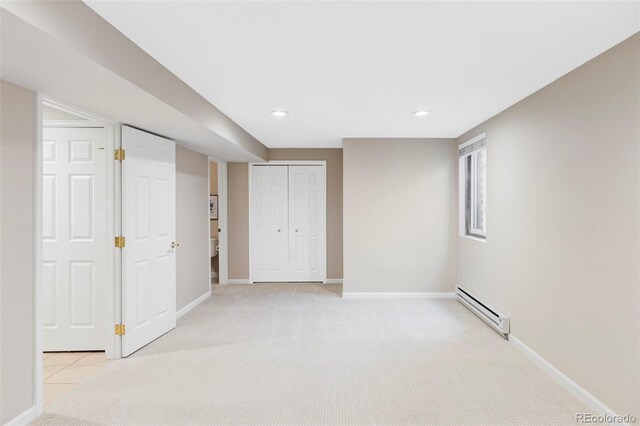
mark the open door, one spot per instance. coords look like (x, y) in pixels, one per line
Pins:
(149, 227)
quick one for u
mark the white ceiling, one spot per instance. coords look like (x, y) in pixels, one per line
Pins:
(358, 69)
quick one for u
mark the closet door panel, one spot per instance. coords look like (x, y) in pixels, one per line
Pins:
(298, 213)
(270, 223)
(279, 208)
(307, 201)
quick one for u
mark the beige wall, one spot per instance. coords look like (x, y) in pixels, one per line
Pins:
(192, 226)
(238, 227)
(18, 135)
(239, 209)
(563, 219)
(399, 215)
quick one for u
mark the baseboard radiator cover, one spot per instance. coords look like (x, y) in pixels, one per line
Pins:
(492, 317)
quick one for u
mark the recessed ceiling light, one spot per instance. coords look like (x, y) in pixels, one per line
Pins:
(420, 113)
(279, 113)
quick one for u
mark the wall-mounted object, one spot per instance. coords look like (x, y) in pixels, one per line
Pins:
(213, 207)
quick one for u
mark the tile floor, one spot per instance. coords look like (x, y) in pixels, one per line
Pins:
(65, 370)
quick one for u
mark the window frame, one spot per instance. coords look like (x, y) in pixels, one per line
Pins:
(468, 173)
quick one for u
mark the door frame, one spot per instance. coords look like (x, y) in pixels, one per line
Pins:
(113, 311)
(223, 241)
(323, 164)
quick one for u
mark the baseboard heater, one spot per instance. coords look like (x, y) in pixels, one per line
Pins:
(495, 319)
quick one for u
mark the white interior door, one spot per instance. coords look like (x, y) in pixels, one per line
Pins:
(74, 238)
(307, 218)
(270, 223)
(149, 227)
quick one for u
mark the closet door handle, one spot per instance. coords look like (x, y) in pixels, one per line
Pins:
(278, 230)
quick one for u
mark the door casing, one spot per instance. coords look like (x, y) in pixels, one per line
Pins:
(321, 163)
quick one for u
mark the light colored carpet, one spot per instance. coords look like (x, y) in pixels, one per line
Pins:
(285, 354)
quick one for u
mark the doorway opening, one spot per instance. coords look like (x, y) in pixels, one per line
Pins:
(77, 281)
(218, 221)
(214, 229)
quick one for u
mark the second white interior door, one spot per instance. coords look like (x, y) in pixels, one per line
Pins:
(289, 223)
(149, 225)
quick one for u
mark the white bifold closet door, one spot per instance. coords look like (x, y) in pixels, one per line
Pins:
(289, 223)
(270, 223)
(307, 246)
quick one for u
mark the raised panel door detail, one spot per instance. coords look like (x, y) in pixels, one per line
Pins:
(313, 207)
(164, 215)
(81, 294)
(142, 290)
(313, 253)
(264, 254)
(49, 283)
(263, 203)
(80, 150)
(81, 207)
(299, 254)
(49, 207)
(164, 285)
(142, 208)
(49, 150)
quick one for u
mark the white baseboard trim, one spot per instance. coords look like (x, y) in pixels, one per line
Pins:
(26, 417)
(333, 281)
(193, 304)
(575, 389)
(389, 295)
(238, 281)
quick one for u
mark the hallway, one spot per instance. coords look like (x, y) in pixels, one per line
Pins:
(300, 354)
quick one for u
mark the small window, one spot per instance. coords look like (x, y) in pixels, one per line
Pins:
(473, 187)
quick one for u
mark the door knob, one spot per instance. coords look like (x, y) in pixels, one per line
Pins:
(296, 230)
(174, 244)
(278, 230)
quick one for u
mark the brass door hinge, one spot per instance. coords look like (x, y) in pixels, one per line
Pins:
(120, 330)
(119, 241)
(119, 154)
